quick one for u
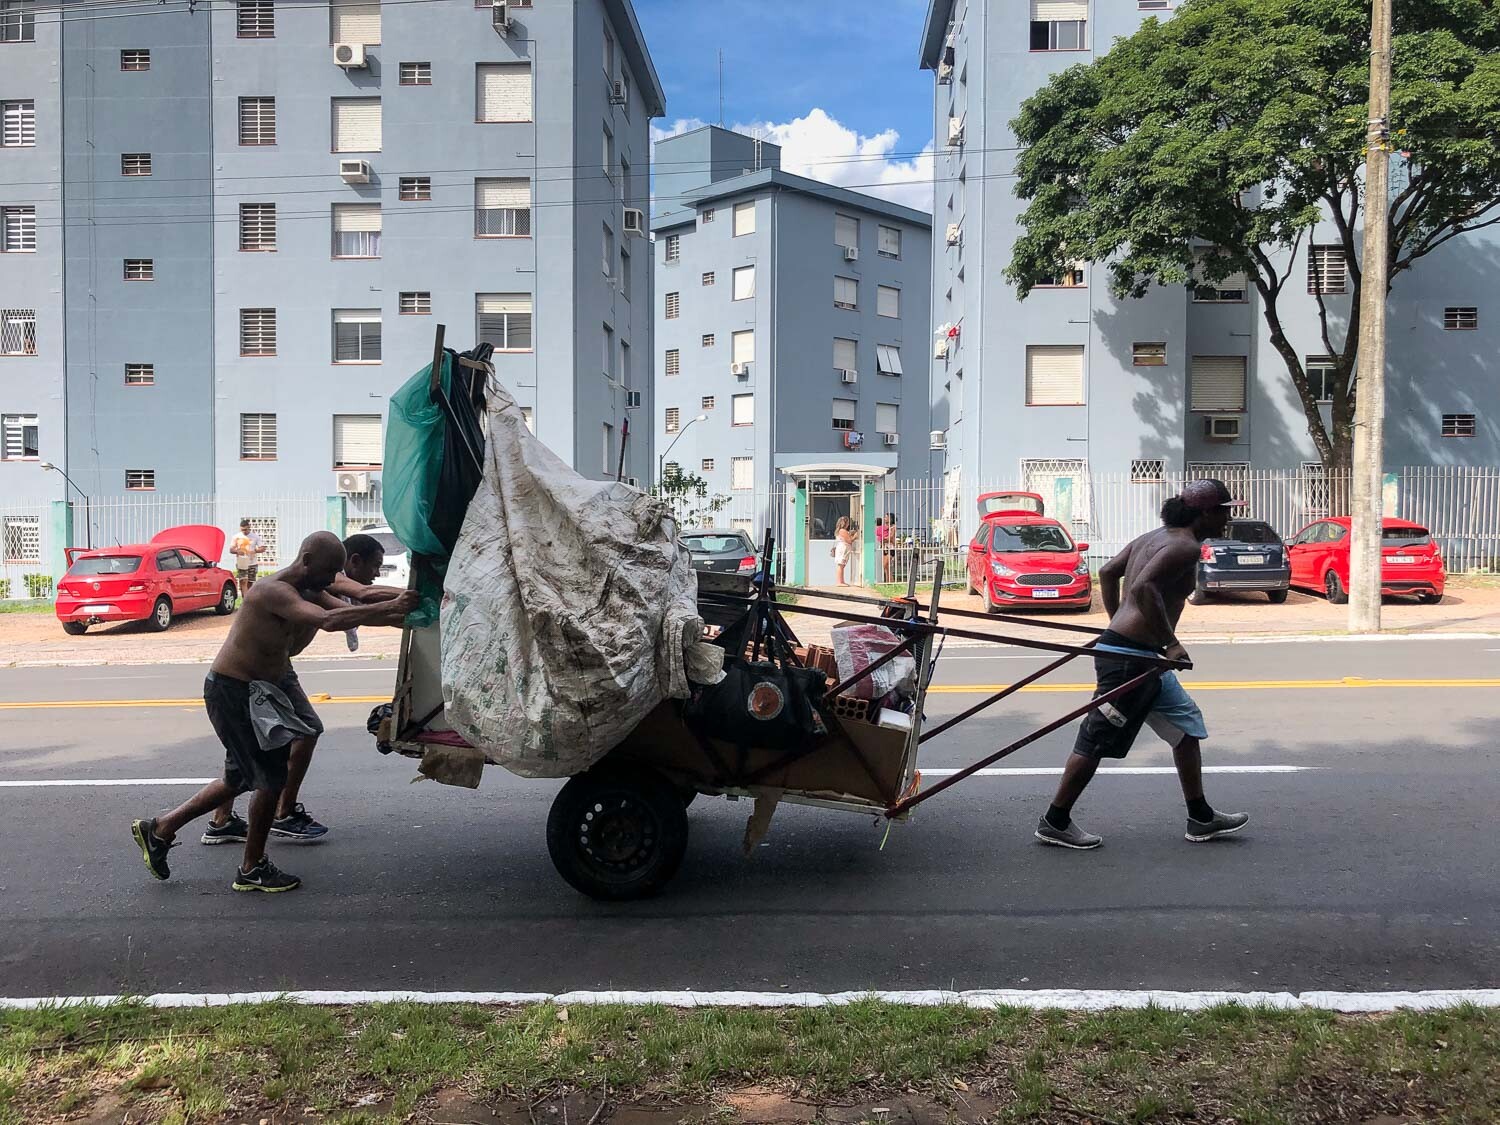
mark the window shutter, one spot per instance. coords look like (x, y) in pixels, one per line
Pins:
(502, 193)
(356, 440)
(19, 124)
(258, 437)
(888, 359)
(744, 218)
(888, 301)
(1054, 375)
(1218, 384)
(845, 292)
(742, 473)
(356, 125)
(742, 410)
(887, 417)
(845, 230)
(744, 283)
(843, 411)
(354, 21)
(1059, 11)
(504, 319)
(17, 230)
(351, 217)
(890, 241)
(504, 92)
(845, 354)
(743, 347)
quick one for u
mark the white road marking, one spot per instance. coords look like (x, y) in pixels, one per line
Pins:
(55, 783)
(1133, 771)
(1068, 999)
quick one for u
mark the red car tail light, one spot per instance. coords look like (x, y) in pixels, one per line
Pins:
(747, 564)
(136, 588)
(1206, 553)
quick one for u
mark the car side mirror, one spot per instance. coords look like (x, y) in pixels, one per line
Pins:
(1082, 548)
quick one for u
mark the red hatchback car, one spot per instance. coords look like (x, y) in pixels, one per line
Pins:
(151, 582)
(1410, 565)
(1020, 557)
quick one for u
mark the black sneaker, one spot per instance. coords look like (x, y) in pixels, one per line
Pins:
(232, 831)
(265, 876)
(1070, 837)
(298, 827)
(153, 848)
(1222, 824)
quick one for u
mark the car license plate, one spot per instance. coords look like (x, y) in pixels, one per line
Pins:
(1401, 559)
(1042, 593)
(1252, 560)
(96, 609)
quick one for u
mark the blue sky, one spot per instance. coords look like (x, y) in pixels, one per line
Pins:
(856, 62)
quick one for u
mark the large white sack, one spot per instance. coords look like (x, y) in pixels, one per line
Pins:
(564, 608)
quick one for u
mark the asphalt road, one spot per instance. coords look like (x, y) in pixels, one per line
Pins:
(1371, 867)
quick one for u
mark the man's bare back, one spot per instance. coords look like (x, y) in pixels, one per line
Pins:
(1147, 584)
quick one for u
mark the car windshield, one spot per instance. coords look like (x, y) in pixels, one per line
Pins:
(1252, 531)
(106, 564)
(1405, 536)
(717, 544)
(388, 542)
(1030, 537)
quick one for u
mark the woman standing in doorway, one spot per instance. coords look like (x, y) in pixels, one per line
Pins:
(843, 531)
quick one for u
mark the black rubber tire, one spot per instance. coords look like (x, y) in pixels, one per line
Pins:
(75, 628)
(688, 795)
(1334, 588)
(1276, 597)
(1198, 597)
(969, 583)
(161, 615)
(1429, 599)
(617, 833)
(227, 598)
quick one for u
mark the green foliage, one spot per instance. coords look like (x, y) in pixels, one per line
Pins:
(1142, 159)
(38, 585)
(4, 588)
(690, 500)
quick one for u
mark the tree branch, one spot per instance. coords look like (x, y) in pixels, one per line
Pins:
(1432, 244)
(1270, 291)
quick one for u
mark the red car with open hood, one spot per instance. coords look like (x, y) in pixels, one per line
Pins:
(1020, 557)
(177, 572)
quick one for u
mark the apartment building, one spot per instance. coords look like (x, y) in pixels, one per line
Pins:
(229, 234)
(792, 334)
(1074, 380)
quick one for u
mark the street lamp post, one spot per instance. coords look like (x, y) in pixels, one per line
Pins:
(88, 530)
(661, 459)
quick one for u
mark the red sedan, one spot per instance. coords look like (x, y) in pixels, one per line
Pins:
(151, 582)
(1410, 565)
(1020, 557)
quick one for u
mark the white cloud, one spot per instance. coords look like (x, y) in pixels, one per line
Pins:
(681, 125)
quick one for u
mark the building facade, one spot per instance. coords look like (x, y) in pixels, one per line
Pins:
(230, 234)
(1074, 380)
(792, 335)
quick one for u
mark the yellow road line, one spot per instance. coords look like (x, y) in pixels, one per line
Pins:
(86, 704)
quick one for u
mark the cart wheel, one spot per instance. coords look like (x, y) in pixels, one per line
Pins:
(688, 795)
(618, 833)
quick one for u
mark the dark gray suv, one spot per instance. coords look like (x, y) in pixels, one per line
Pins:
(1249, 557)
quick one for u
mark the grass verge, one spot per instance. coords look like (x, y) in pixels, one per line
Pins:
(286, 1061)
(27, 605)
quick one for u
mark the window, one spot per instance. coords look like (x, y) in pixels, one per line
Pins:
(744, 283)
(257, 121)
(741, 473)
(257, 437)
(504, 320)
(673, 361)
(1149, 470)
(140, 480)
(135, 164)
(140, 374)
(1320, 376)
(1153, 5)
(708, 278)
(257, 332)
(845, 231)
(1217, 384)
(17, 230)
(608, 448)
(626, 378)
(742, 346)
(1327, 271)
(18, 124)
(502, 208)
(706, 215)
(255, 19)
(625, 283)
(415, 303)
(17, 22)
(609, 353)
(744, 218)
(502, 92)
(356, 335)
(17, 332)
(887, 300)
(136, 59)
(1460, 319)
(672, 251)
(22, 539)
(356, 230)
(673, 419)
(706, 465)
(674, 305)
(887, 418)
(608, 156)
(140, 269)
(1069, 277)
(888, 359)
(257, 226)
(844, 355)
(708, 339)
(528, 415)
(1059, 25)
(1458, 425)
(416, 74)
(357, 441)
(19, 439)
(742, 410)
(707, 403)
(843, 414)
(671, 470)
(1148, 355)
(607, 247)
(356, 124)
(414, 189)
(1054, 375)
(845, 293)
(354, 21)
(1227, 290)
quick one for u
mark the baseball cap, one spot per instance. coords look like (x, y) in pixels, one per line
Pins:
(1206, 495)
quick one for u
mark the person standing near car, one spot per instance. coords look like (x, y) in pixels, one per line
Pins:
(247, 548)
(1158, 572)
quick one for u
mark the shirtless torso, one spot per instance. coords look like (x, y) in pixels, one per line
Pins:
(265, 636)
(1147, 584)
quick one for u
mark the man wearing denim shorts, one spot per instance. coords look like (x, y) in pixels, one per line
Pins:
(1158, 572)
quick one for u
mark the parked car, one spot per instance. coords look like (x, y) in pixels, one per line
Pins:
(727, 551)
(1250, 556)
(1411, 564)
(1021, 557)
(395, 567)
(176, 572)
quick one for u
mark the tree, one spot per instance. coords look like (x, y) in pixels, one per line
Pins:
(687, 494)
(1239, 125)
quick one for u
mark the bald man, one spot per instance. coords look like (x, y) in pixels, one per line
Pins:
(256, 706)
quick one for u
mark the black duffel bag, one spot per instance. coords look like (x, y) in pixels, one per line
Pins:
(769, 703)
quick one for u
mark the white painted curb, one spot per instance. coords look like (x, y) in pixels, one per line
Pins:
(1066, 999)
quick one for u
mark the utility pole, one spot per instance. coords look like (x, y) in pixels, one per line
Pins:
(1367, 506)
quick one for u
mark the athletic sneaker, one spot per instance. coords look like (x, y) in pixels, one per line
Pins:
(1223, 824)
(1070, 837)
(232, 831)
(265, 876)
(153, 848)
(298, 827)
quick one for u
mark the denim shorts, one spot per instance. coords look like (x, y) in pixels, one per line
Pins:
(1161, 703)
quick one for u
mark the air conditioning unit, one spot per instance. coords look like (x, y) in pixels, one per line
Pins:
(890, 439)
(955, 130)
(350, 56)
(354, 171)
(941, 350)
(500, 16)
(741, 370)
(848, 375)
(937, 439)
(635, 221)
(1221, 427)
(353, 484)
(944, 73)
(617, 94)
(851, 253)
(955, 234)
(632, 400)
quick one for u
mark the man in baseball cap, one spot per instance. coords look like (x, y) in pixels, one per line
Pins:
(1144, 588)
